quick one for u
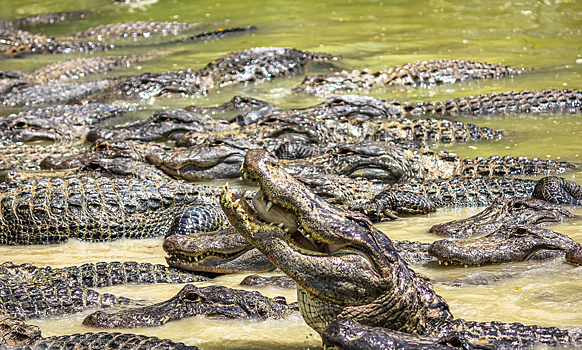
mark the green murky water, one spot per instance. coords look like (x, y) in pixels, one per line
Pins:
(545, 35)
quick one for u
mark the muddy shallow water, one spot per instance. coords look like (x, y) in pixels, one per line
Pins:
(545, 35)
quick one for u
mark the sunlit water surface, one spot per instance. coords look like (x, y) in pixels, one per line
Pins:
(545, 35)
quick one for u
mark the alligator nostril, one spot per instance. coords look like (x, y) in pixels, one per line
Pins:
(102, 146)
(94, 166)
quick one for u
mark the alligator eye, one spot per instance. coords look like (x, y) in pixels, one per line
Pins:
(93, 166)
(217, 142)
(190, 296)
(20, 125)
(454, 342)
(163, 117)
(102, 146)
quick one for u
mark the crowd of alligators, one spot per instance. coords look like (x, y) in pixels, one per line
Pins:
(324, 173)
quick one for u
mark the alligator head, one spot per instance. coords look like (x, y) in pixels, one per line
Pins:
(224, 251)
(509, 243)
(163, 125)
(343, 266)
(214, 157)
(516, 211)
(16, 128)
(212, 301)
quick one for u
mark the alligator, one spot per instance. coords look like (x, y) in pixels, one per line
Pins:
(226, 251)
(94, 275)
(214, 301)
(71, 70)
(510, 242)
(62, 123)
(416, 74)
(162, 125)
(30, 157)
(240, 67)
(48, 211)
(15, 334)
(350, 335)
(516, 211)
(123, 168)
(223, 251)
(36, 300)
(101, 149)
(20, 42)
(54, 93)
(345, 268)
(505, 103)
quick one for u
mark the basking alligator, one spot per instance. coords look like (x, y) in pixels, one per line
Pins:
(241, 67)
(15, 334)
(347, 269)
(54, 210)
(510, 242)
(214, 301)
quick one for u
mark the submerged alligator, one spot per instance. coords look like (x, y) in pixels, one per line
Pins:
(315, 244)
(214, 301)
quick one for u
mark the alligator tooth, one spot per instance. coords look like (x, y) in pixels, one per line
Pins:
(242, 168)
(466, 266)
(440, 262)
(286, 230)
(196, 259)
(226, 186)
(269, 205)
(240, 178)
(280, 225)
(272, 224)
(190, 258)
(236, 202)
(446, 263)
(366, 211)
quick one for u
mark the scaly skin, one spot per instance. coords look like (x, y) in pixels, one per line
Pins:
(215, 301)
(516, 211)
(510, 242)
(51, 211)
(505, 103)
(344, 267)
(35, 300)
(53, 93)
(416, 74)
(93, 275)
(557, 190)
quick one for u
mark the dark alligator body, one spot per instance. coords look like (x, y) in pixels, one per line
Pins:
(316, 244)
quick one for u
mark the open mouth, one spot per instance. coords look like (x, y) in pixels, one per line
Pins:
(267, 214)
